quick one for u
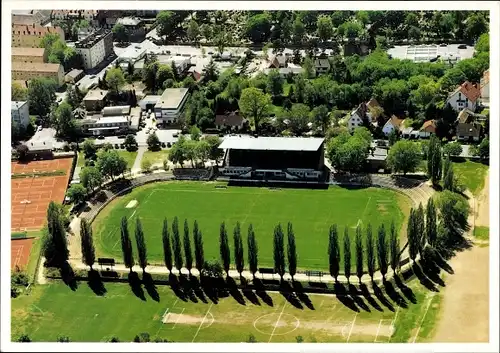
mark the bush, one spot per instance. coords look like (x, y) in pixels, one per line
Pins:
(14, 292)
(163, 145)
(146, 165)
(117, 146)
(169, 144)
(122, 146)
(166, 166)
(73, 146)
(66, 147)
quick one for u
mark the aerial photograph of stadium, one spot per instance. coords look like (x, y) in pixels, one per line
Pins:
(268, 176)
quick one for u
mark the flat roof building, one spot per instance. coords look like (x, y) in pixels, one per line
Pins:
(95, 48)
(262, 143)
(170, 105)
(95, 100)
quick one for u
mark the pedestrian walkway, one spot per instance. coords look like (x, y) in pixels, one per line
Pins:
(138, 159)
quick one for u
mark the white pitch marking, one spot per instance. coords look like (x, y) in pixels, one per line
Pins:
(352, 326)
(178, 318)
(202, 322)
(378, 330)
(423, 317)
(277, 322)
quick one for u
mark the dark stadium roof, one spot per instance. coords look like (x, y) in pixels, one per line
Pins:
(310, 144)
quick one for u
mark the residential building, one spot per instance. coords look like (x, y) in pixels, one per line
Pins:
(95, 48)
(107, 18)
(29, 71)
(277, 61)
(465, 96)
(468, 127)
(231, 121)
(358, 117)
(393, 124)
(148, 102)
(20, 113)
(182, 63)
(89, 15)
(428, 128)
(171, 104)
(485, 88)
(291, 69)
(95, 100)
(74, 76)
(322, 65)
(135, 28)
(30, 36)
(374, 106)
(29, 55)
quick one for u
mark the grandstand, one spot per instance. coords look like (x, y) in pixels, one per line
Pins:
(273, 158)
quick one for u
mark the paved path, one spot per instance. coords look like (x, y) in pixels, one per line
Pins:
(77, 264)
(138, 159)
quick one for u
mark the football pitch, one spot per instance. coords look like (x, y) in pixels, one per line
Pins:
(311, 212)
(54, 310)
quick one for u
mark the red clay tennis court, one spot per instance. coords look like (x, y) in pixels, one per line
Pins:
(20, 252)
(31, 195)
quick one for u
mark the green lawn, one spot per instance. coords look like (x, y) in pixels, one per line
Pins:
(129, 157)
(472, 174)
(155, 157)
(482, 233)
(312, 212)
(54, 310)
(81, 159)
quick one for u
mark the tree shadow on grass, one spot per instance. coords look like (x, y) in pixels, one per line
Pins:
(407, 292)
(148, 282)
(68, 276)
(249, 293)
(260, 290)
(394, 295)
(185, 284)
(208, 286)
(381, 297)
(95, 283)
(357, 298)
(426, 282)
(176, 287)
(432, 271)
(301, 294)
(234, 291)
(344, 298)
(136, 285)
(366, 293)
(287, 291)
(196, 286)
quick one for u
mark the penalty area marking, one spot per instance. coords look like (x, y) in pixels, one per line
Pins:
(352, 326)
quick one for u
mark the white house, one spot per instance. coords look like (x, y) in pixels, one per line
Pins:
(19, 112)
(170, 105)
(358, 116)
(393, 124)
(465, 96)
(485, 88)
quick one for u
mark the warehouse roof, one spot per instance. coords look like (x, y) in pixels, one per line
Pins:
(310, 144)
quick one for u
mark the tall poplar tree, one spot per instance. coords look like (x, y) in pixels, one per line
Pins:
(359, 253)
(434, 160)
(188, 254)
(382, 251)
(347, 254)
(199, 254)
(167, 247)
(394, 247)
(370, 254)
(225, 255)
(88, 251)
(279, 251)
(253, 251)
(128, 257)
(334, 252)
(292, 251)
(431, 224)
(238, 249)
(176, 245)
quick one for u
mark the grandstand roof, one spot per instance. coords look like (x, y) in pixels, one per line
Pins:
(272, 143)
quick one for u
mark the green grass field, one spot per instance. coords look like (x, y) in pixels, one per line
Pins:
(482, 233)
(55, 310)
(155, 157)
(311, 211)
(472, 174)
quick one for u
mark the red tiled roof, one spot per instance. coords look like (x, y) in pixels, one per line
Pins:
(429, 126)
(470, 90)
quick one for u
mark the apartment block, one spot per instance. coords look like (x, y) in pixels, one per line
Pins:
(28, 71)
(95, 48)
(29, 55)
(30, 36)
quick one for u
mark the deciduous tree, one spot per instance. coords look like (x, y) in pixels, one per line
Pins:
(404, 156)
(254, 104)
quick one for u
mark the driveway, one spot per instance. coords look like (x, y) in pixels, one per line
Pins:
(47, 135)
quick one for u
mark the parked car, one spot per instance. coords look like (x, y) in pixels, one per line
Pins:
(100, 137)
(175, 135)
(462, 46)
(210, 53)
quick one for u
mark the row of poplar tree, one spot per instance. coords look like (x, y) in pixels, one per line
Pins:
(381, 250)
